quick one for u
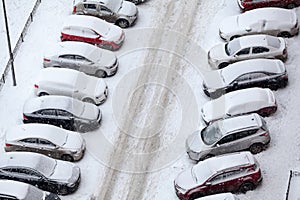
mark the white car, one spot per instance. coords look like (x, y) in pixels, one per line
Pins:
(272, 21)
(251, 100)
(83, 57)
(45, 139)
(72, 83)
(15, 190)
(247, 47)
(221, 196)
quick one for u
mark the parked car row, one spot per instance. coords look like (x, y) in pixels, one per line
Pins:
(244, 71)
(37, 162)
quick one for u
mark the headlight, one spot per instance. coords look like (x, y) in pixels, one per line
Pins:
(180, 189)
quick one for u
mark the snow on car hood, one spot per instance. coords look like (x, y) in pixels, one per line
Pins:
(214, 109)
(63, 171)
(107, 58)
(213, 79)
(74, 141)
(230, 25)
(90, 112)
(218, 52)
(95, 87)
(114, 33)
(128, 9)
(185, 180)
(194, 142)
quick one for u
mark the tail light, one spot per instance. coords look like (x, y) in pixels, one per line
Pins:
(36, 86)
(284, 76)
(7, 145)
(74, 9)
(264, 134)
(46, 60)
(24, 117)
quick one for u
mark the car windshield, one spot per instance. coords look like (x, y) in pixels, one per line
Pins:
(77, 108)
(273, 42)
(81, 82)
(201, 172)
(46, 166)
(34, 193)
(211, 134)
(114, 5)
(232, 47)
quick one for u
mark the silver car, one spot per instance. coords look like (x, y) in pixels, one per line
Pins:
(45, 139)
(83, 57)
(247, 47)
(15, 190)
(119, 12)
(56, 176)
(272, 21)
(229, 135)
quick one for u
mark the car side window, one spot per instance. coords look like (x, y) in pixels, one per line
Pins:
(48, 112)
(244, 77)
(90, 6)
(63, 113)
(71, 57)
(79, 58)
(226, 139)
(257, 50)
(257, 75)
(243, 52)
(104, 9)
(217, 178)
(29, 140)
(45, 142)
(246, 133)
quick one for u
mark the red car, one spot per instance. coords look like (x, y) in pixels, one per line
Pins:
(252, 4)
(235, 172)
(92, 30)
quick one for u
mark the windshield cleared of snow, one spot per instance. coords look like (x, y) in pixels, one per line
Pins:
(211, 134)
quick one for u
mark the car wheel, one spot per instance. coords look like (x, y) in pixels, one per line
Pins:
(122, 23)
(88, 100)
(256, 148)
(246, 187)
(222, 65)
(66, 157)
(83, 128)
(291, 6)
(43, 94)
(63, 190)
(284, 34)
(273, 86)
(101, 74)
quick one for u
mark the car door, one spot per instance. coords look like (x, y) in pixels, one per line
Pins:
(258, 79)
(260, 52)
(241, 54)
(27, 144)
(107, 14)
(239, 83)
(91, 9)
(68, 61)
(49, 116)
(231, 180)
(224, 145)
(46, 147)
(65, 119)
(83, 64)
(216, 184)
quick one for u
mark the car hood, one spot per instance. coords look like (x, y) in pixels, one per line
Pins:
(95, 87)
(194, 142)
(185, 180)
(218, 52)
(74, 141)
(90, 112)
(63, 171)
(128, 9)
(213, 80)
(229, 25)
(214, 110)
(107, 58)
(114, 34)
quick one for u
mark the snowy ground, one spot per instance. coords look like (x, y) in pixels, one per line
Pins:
(154, 100)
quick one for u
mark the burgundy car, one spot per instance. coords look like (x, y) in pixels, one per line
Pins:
(252, 4)
(235, 172)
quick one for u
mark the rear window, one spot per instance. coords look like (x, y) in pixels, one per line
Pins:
(273, 42)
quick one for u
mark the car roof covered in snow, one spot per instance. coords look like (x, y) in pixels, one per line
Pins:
(258, 40)
(51, 133)
(53, 102)
(233, 71)
(221, 196)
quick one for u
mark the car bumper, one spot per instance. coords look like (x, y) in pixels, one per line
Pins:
(100, 100)
(112, 71)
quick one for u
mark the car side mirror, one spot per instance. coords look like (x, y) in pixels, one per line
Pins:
(248, 29)
(228, 114)
(235, 83)
(217, 145)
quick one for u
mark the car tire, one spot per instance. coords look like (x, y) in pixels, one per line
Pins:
(123, 23)
(43, 94)
(256, 148)
(247, 186)
(67, 157)
(284, 34)
(88, 100)
(101, 74)
(291, 6)
(83, 128)
(63, 190)
(222, 65)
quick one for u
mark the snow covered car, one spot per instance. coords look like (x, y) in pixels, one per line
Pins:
(247, 47)
(221, 196)
(235, 172)
(92, 30)
(244, 132)
(71, 83)
(120, 12)
(251, 100)
(269, 73)
(56, 176)
(272, 21)
(83, 57)
(15, 190)
(136, 2)
(252, 4)
(61, 111)
(45, 139)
